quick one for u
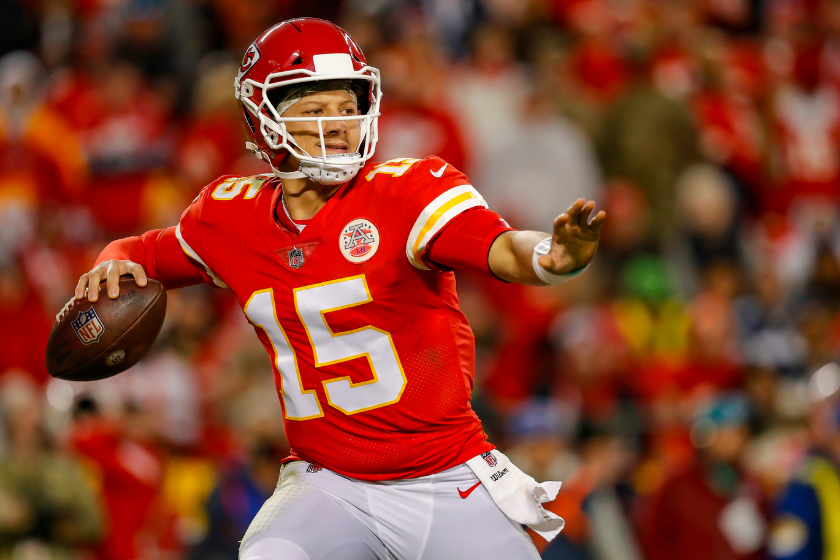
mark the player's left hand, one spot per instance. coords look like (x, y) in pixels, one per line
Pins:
(574, 238)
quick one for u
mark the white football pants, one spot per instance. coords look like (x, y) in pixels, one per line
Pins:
(320, 515)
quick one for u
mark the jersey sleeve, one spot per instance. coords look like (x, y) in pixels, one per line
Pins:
(190, 232)
(435, 195)
(160, 255)
(464, 243)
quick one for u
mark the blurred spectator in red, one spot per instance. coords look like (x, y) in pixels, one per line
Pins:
(628, 233)
(416, 120)
(212, 140)
(806, 115)
(732, 133)
(24, 325)
(127, 139)
(597, 59)
(593, 362)
(48, 507)
(42, 176)
(130, 468)
(711, 509)
(30, 126)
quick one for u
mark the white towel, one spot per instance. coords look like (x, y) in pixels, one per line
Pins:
(518, 495)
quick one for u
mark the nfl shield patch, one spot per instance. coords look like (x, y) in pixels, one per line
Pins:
(489, 458)
(295, 258)
(88, 327)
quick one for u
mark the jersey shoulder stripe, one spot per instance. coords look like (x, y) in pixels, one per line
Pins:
(435, 216)
(194, 256)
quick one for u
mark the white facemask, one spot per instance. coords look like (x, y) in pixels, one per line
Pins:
(339, 168)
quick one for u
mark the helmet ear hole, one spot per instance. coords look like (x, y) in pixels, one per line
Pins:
(297, 61)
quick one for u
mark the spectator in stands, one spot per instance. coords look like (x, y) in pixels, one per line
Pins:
(48, 507)
(711, 509)
(807, 515)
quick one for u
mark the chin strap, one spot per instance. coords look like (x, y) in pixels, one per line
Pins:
(318, 172)
(260, 154)
(290, 174)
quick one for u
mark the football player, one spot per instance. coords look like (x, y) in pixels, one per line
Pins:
(344, 269)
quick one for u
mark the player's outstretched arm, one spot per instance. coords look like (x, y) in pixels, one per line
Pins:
(156, 254)
(574, 241)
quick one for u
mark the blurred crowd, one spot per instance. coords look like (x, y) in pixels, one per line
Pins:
(685, 388)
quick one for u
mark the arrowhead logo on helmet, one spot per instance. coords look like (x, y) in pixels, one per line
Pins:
(252, 55)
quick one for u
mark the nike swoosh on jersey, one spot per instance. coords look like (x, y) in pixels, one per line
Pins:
(439, 172)
(466, 493)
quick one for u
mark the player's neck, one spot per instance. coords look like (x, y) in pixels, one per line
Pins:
(304, 197)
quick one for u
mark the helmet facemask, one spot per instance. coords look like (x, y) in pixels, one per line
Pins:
(278, 97)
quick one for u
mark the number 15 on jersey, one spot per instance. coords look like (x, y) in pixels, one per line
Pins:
(312, 303)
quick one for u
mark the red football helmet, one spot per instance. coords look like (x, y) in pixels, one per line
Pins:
(294, 52)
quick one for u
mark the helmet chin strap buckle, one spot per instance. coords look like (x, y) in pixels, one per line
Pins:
(254, 149)
(260, 154)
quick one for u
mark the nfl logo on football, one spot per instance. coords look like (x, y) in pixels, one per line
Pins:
(489, 458)
(88, 327)
(296, 258)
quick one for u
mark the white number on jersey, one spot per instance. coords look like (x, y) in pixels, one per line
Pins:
(299, 404)
(312, 303)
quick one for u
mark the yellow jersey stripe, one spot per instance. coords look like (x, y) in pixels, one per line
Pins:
(435, 216)
(433, 219)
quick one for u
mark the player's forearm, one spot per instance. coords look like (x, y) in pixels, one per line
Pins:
(511, 257)
(126, 249)
(160, 255)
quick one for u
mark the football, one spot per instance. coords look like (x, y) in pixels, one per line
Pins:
(92, 341)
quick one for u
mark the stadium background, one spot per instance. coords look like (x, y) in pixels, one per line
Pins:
(700, 345)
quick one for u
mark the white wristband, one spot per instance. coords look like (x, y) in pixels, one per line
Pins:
(541, 249)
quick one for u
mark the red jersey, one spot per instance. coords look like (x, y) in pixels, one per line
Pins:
(373, 359)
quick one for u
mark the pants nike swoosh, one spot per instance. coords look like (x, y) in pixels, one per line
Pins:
(466, 493)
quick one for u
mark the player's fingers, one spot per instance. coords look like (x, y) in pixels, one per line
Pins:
(139, 274)
(586, 211)
(81, 285)
(574, 209)
(598, 221)
(113, 280)
(560, 226)
(94, 278)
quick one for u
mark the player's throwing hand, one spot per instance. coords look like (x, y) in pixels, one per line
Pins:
(110, 272)
(574, 238)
